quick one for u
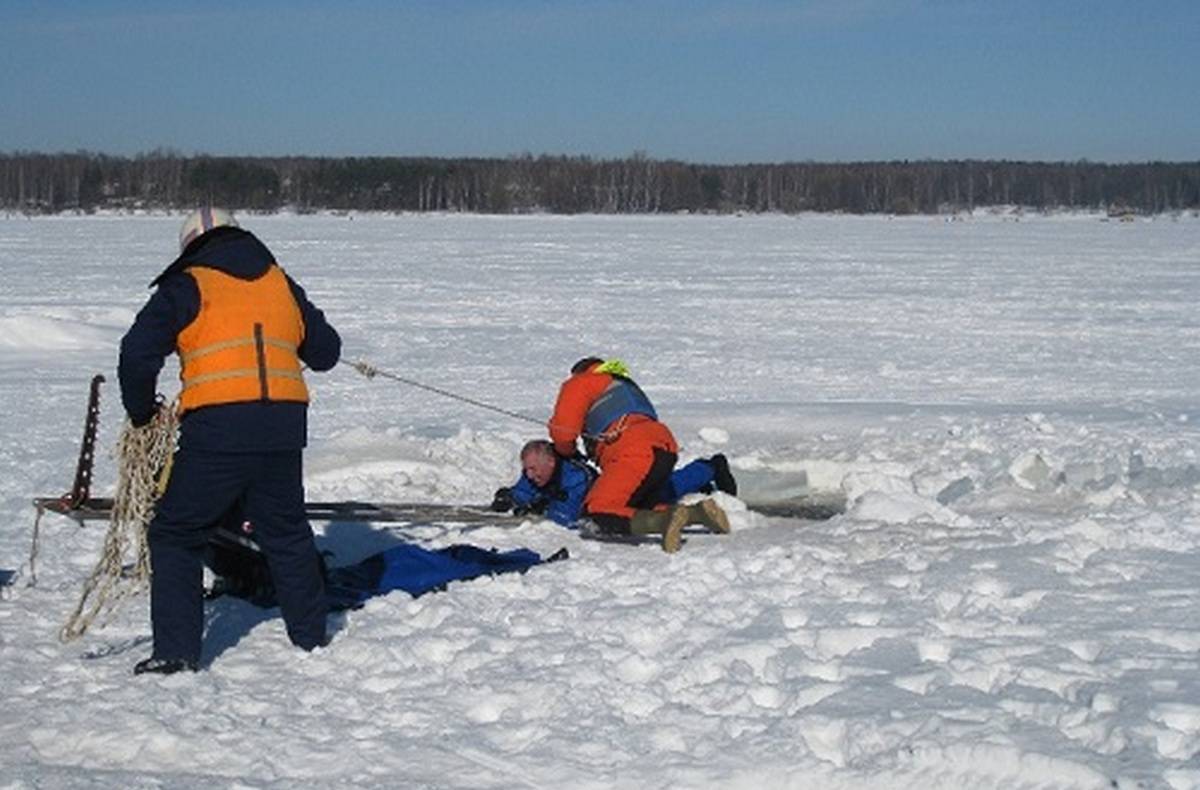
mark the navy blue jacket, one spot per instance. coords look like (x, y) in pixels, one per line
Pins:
(255, 426)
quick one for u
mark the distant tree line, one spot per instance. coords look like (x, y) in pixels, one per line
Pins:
(85, 181)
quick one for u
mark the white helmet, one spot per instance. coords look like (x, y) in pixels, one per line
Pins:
(201, 221)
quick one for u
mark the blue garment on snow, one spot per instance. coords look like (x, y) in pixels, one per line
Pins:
(418, 570)
(561, 500)
(235, 558)
(256, 426)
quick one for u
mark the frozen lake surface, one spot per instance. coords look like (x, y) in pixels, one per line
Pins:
(1012, 599)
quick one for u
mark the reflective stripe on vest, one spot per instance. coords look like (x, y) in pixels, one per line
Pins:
(243, 344)
(622, 398)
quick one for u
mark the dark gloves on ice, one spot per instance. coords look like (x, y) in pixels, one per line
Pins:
(536, 507)
(502, 502)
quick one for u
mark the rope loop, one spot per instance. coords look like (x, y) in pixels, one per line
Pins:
(143, 463)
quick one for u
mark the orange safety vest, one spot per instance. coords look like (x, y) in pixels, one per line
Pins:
(243, 344)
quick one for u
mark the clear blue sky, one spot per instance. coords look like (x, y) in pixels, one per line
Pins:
(706, 80)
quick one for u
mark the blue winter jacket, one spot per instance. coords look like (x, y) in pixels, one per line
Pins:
(255, 426)
(561, 500)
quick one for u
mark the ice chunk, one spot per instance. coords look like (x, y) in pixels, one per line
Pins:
(1031, 471)
(956, 489)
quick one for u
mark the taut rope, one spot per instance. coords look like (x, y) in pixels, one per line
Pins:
(370, 371)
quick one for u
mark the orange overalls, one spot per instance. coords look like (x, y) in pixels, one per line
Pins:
(635, 451)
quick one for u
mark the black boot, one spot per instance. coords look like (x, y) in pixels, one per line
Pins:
(722, 477)
(163, 666)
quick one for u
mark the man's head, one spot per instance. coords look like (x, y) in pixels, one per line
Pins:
(201, 221)
(538, 461)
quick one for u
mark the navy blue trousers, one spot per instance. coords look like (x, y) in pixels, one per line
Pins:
(203, 487)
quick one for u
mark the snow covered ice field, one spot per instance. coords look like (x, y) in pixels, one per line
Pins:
(1012, 599)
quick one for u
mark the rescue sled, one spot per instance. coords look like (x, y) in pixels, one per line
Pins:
(79, 505)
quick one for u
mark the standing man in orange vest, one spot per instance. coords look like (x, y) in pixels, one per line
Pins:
(242, 329)
(636, 453)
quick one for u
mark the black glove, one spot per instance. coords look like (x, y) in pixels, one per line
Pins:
(537, 507)
(141, 421)
(502, 501)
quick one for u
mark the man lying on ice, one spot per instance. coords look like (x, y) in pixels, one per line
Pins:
(555, 487)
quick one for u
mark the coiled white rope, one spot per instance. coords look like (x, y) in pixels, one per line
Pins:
(143, 466)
